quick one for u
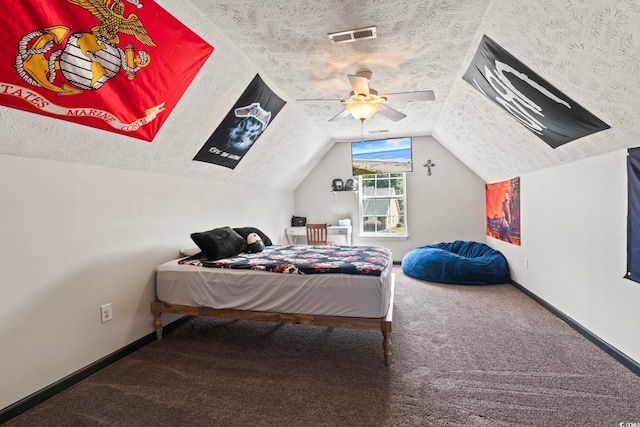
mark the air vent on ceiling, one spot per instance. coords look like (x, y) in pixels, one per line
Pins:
(353, 35)
(379, 131)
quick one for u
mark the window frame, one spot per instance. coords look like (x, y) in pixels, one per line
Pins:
(363, 198)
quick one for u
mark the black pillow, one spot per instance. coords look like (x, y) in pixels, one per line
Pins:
(220, 243)
(245, 231)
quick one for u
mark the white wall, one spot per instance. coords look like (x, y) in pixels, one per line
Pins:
(74, 237)
(445, 206)
(573, 229)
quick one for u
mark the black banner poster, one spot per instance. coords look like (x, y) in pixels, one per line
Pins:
(633, 214)
(544, 110)
(243, 125)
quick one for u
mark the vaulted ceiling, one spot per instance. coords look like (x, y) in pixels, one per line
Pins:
(588, 49)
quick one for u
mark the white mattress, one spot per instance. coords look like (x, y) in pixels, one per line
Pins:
(318, 294)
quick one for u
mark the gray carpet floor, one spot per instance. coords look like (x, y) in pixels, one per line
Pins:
(462, 356)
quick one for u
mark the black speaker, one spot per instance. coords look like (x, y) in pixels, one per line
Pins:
(298, 221)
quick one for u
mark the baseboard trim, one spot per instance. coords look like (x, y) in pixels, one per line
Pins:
(40, 396)
(628, 362)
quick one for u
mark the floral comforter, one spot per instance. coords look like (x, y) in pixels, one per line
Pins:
(305, 259)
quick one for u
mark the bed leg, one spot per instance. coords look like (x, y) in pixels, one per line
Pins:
(158, 324)
(386, 342)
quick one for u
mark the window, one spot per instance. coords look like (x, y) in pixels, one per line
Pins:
(383, 205)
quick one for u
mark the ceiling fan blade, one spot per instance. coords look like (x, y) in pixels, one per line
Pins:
(425, 95)
(390, 113)
(319, 99)
(359, 84)
(343, 115)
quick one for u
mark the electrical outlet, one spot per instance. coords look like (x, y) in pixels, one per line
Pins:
(107, 313)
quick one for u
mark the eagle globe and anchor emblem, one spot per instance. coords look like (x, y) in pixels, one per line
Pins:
(88, 60)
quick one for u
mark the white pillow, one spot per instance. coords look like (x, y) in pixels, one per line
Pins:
(191, 250)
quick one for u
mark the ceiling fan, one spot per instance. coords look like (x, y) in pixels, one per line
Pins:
(364, 102)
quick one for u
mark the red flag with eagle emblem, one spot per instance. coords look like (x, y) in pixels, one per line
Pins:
(116, 65)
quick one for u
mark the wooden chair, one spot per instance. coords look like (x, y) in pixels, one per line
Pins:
(317, 234)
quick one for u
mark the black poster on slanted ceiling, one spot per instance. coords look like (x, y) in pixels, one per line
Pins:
(633, 214)
(544, 110)
(252, 113)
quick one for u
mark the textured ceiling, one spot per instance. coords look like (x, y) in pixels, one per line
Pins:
(420, 46)
(589, 49)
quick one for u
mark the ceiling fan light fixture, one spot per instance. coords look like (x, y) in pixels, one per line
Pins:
(363, 110)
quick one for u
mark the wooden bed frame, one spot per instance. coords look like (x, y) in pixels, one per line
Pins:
(382, 323)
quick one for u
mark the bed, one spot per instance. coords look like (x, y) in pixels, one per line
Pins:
(334, 286)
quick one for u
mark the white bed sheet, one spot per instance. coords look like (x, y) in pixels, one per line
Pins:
(316, 294)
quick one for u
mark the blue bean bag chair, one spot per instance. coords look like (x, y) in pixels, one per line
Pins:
(462, 263)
